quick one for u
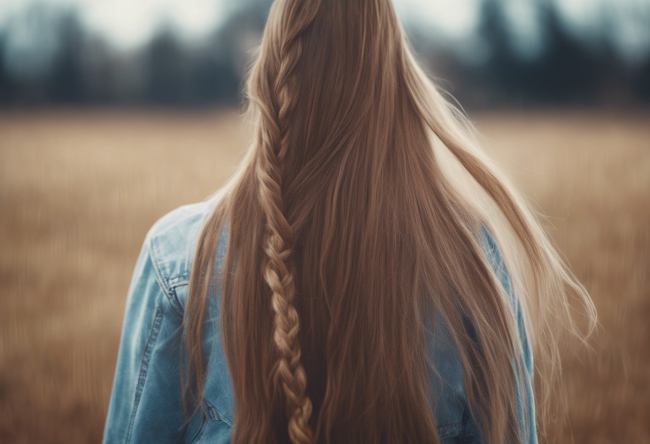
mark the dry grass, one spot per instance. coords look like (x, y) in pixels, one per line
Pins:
(79, 190)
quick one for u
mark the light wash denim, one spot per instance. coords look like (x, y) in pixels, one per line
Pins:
(145, 404)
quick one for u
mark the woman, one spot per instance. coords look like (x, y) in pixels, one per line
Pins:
(368, 275)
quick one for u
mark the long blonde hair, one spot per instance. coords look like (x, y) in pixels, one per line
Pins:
(354, 216)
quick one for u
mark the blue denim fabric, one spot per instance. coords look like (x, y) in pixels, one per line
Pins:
(145, 404)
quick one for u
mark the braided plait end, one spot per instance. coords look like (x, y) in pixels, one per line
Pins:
(278, 242)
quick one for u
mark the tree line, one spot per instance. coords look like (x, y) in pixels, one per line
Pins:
(59, 62)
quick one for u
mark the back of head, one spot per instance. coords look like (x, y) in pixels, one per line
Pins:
(347, 231)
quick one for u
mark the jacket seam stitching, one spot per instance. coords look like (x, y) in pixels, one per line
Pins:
(181, 279)
(144, 367)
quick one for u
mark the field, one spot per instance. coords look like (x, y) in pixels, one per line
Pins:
(80, 189)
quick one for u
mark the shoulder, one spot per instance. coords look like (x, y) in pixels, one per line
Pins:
(172, 242)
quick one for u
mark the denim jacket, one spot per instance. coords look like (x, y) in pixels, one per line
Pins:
(145, 404)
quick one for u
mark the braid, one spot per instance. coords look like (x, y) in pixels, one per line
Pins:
(278, 240)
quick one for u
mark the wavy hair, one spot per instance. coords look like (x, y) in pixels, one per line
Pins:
(353, 217)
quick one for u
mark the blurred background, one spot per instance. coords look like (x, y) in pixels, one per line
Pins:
(113, 113)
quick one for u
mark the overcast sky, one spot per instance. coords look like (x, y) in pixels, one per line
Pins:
(131, 23)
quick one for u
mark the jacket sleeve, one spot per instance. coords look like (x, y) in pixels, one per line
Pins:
(524, 389)
(145, 403)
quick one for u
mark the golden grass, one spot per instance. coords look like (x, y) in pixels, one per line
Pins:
(79, 190)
